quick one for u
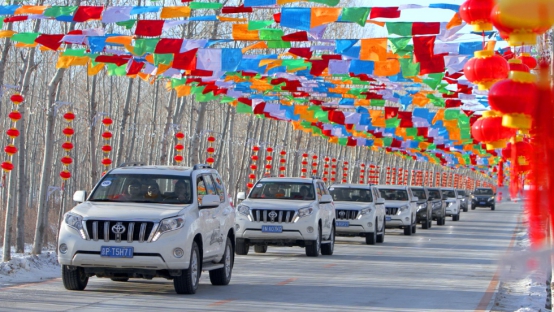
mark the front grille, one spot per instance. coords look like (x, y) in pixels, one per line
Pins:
(391, 211)
(273, 215)
(134, 231)
(346, 214)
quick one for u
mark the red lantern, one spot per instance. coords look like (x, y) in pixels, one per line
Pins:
(346, 163)
(253, 167)
(107, 135)
(283, 153)
(16, 98)
(65, 175)
(326, 158)
(254, 157)
(106, 161)
(269, 150)
(180, 135)
(255, 148)
(10, 149)
(515, 98)
(268, 158)
(249, 185)
(304, 162)
(211, 139)
(12, 133)
(7, 166)
(282, 168)
(528, 60)
(179, 147)
(66, 160)
(282, 160)
(489, 130)
(304, 155)
(69, 116)
(517, 65)
(67, 146)
(210, 150)
(486, 68)
(515, 32)
(106, 148)
(14, 116)
(68, 131)
(304, 170)
(251, 176)
(107, 121)
(268, 166)
(210, 160)
(477, 13)
(178, 158)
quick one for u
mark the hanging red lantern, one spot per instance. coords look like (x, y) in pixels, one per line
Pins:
(283, 153)
(179, 135)
(107, 121)
(268, 158)
(7, 166)
(66, 160)
(106, 161)
(10, 149)
(515, 97)
(489, 130)
(517, 65)
(178, 158)
(210, 160)
(486, 68)
(106, 148)
(211, 139)
(67, 146)
(255, 148)
(16, 99)
(269, 150)
(12, 133)
(210, 150)
(68, 131)
(254, 157)
(69, 116)
(179, 147)
(14, 116)
(528, 60)
(477, 13)
(107, 135)
(253, 167)
(65, 174)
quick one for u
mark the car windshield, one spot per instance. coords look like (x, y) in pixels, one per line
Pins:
(436, 194)
(483, 192)
(392, 194)
(283, 190)
(448, 194)
(351, 194)
(143, 188)
(463, 193)
(419, 193)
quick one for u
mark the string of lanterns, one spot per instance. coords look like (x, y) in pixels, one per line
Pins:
(253, 167)
(269, 160)
(67, 146)
(282, 161)
(210, 150)
(106, 148)
(179, 147)
(12, 132)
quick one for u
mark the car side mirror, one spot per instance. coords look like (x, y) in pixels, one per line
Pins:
(380, 201)
(80, 196)
(241, 196)
(209, 201)
(325, 199)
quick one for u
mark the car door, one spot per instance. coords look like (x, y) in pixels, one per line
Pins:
(379, 208)
(224, 210)
(204, 186)
(325, 209)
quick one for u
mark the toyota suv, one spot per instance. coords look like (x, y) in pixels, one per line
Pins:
(360, 211)
(483, 197)
(400, 206)
(424, 213)
(453, 200)
(286, 212)
(150, 221)
(439, 205)
(464, 202)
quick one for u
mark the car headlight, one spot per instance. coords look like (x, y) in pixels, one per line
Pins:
(450, 204)
(168, 225)
(364, 212)
(491, 199)
(75, 222)
(421, 206)
(243, 209)
(304, 212)
(402, 209)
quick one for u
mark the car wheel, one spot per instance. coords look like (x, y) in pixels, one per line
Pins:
(74, 279)
(371, 238)
(119, 279)
(425, 224)
(381, 236)
(327, 249)
(473, 207)
(187, 282)
(465, 209)
(241, 247)
(414, 227)
(492, 207)
(313, 249)
(260, 248)
(221, 277)
(408, 230)
(456, 217)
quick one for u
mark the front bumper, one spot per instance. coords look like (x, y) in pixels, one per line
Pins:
(422, 214)
(483, 203)
(292, 231)
(152, 256)
(452, 210)
(366, 224)
(401, 220)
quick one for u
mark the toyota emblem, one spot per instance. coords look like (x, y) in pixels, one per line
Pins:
(118, 228)
(272, 215)
(342, 213)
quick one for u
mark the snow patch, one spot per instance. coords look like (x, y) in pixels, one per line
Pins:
(27, 268)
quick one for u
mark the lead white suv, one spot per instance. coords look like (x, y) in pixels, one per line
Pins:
(453, 202)
(286, 212)
(401, 207)
(360, 211)
(150, 221)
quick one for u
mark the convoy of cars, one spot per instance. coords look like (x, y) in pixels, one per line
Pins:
(175, 222)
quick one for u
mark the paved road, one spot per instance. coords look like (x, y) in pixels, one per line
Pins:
(448, 268)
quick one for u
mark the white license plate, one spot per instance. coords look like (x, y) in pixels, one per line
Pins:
(387, 218)
(272, 229)
(342, 223)
(116, 252)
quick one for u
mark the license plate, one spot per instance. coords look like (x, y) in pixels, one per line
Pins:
(116, 252)
(342, 224)
(481, 203)
(387, 218)
(272, 229)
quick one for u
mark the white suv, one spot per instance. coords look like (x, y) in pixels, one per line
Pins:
(360, 211)
(401, 207)
(453, 202)
(150, 221)
(286, 212)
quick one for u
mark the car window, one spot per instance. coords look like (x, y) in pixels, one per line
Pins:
(394, 194)
(282, 190)
(419, 193)
(448, 194)
(436, 194)
(219, 186)
(324, 190)
(210, 188)
(483, 192)
(351, 194)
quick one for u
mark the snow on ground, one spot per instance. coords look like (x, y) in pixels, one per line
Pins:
(522, 275)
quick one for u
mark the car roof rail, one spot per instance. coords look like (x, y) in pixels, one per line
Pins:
(201, 166)
(132, 164)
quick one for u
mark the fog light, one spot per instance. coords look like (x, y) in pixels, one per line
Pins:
(369, 225)
(310, 229)
(178, 252)
(63, 248)
(407, 219)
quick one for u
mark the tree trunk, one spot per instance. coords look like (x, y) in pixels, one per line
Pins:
(122, 130)
(93, 114)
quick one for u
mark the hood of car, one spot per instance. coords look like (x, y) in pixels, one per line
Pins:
(276, 203)
(482, 196)
(351, 205)
(396, 203)
(126, 211)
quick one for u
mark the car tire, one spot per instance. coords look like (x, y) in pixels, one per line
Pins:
(473, 207)
(465, 209)
(328, 249)
(241, 247)
(222, 277)
(414, 227)
(425, 225)
(371, 238)
(456, 217)
(260, 248)
(408, 230)
(187, 282)
(381, 236)
(441, 221)
(120, 279)
(492, 207)
(74, 279)
(314, 249)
